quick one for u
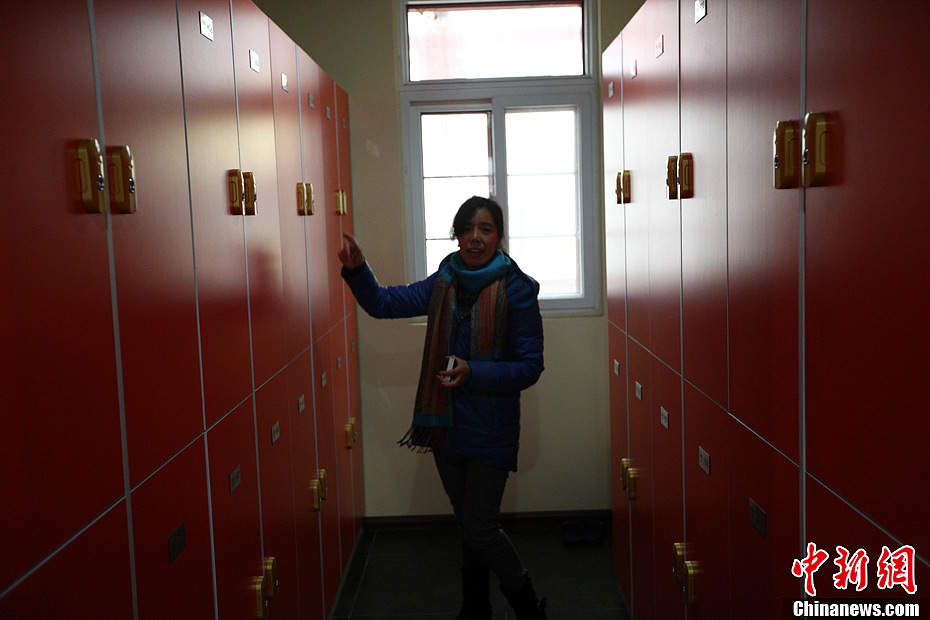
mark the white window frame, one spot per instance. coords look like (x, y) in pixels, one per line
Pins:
(496, 96)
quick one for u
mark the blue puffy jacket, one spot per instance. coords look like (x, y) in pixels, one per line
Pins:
(486, 409)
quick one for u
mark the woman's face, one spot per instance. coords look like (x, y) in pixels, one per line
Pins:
(480, 240)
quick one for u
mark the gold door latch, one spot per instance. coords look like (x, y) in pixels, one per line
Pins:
(671, 177)
(236, 184)
(685, 175)
(690, 576)
(342, 202)
(121, 167)
(351, 433)
(678, 562)
(324, 486)
(250, 206)
(315, 494)
(305, 199)
(814, 149)
(623, 187)
(90, 182)
(784, 156)
(271, 578)
(631, 476)
(261, 602)
(624, 473)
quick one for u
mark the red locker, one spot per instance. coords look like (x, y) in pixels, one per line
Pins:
(832, 522)
(355, 418)
(312, 119)
(275, 466)
(640, 480)
(762, 239)
(257, 156)
(708, 441)
(332, 198)
(237, 536)
(327, 462)
(86, 580)
(287, 102)
(343, 434)
(213, 150)
(61, 438)
(619, 450)
(612, 68)
(344, 157)
(764, 528)
(668, 517)
(171, 539)
(152, 246)
(704, 214)
(307, 514)
(866, 266)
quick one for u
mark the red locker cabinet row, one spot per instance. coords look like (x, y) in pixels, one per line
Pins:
(182, 426)
(767, 302)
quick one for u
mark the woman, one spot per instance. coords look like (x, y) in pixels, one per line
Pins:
(484, 343)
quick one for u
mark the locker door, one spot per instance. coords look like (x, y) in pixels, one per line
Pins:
(257, 155)
(641, 389)
(831, 522)
(708, 440)
(704, 216)
(86, 580)
(619, 449)
(668, 518)
(659, 69)
(312, 118)
(327, 460)
(61, 437)
(234, 496)
(332, 202)
(636, 111)
(342, 444)
(355, 414)
(219, 248)
(289, 172)
(764, 527)
(275, 442)
(612, 68)
(171, 539)
(762, 221)
(304, 449)
(154, 259)
(343, 148)
(867, 268)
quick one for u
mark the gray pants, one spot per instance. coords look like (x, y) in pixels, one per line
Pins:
(475, 491)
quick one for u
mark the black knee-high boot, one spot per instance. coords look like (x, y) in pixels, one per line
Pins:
(476, 594)
(524, 602)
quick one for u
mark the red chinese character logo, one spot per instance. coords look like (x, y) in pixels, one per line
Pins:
(897, 568)
(808, 566)
(851, 569)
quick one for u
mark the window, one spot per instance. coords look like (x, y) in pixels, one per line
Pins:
(522, 132)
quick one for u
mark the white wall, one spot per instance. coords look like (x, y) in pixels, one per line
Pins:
(564, 456)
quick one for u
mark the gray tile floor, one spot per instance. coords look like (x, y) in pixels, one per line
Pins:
(412, 573)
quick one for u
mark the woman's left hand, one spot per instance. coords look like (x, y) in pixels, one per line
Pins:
(459, 375)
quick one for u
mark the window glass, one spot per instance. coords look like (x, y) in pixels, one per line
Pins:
(495, 40)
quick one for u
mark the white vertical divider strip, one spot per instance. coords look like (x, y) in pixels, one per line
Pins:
(802, 367)
(111, 257)
(203, 405)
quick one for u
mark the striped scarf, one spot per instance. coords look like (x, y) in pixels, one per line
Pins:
(432, 416)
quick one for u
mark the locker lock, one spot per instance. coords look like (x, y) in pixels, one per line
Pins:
(271, 578)
(261, 601)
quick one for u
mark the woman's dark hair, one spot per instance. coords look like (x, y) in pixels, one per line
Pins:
(467, 211)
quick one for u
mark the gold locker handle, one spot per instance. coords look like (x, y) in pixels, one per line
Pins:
(315, 494)
(625, 472)
(261, 602)
(784, 155)
(678, 562)
(121, 167)
(301, 199)
(324, 487)
(631, 476)
(686, 175)
(271, 578)
(671, 177)
(236, 184)
(350, 435)
(89, 170)
(311, 198)
(691, 572)
(814, 149)
(623, 187)
(250, 206)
